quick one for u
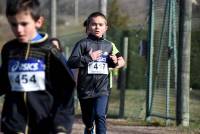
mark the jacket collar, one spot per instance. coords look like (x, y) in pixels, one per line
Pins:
(44, 38)
(90, 36)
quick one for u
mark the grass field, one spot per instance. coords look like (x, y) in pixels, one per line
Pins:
(135, 108)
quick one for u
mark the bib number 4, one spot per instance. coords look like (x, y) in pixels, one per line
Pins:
(97, 68)
(24, 78)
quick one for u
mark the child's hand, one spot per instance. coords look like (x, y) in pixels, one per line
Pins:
(114, 58)
(95, 54)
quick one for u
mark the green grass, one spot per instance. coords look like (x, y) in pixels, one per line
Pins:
(195, 108)
(135, 109)
(134, 104)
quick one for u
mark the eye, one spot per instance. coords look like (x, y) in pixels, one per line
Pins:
(93, 24)
(101, 24)
(24, 23)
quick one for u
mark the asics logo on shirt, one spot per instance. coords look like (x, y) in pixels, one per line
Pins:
(24, 66)
(103, 57)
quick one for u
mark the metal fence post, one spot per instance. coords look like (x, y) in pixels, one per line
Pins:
(183, 83)
(123, 79)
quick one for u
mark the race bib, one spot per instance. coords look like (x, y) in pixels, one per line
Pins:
(97, 68)
(27, 75)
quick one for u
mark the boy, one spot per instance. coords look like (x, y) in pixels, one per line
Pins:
(93, 56)
(120, 61)
(37, 101)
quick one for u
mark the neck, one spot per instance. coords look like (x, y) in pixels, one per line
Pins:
(95, 37)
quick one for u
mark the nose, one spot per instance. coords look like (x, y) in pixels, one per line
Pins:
(97, 26)
(19, 28)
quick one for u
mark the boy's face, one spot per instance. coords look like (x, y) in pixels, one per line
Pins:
(97, 26)
(24, 26)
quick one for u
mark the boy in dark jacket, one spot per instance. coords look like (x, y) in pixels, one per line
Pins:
(93, 56)
(34, 77)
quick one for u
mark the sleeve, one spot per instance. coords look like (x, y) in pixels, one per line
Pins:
(63, 83)
(2, 89)
(115, 51)
(4, 80)
(79, 57)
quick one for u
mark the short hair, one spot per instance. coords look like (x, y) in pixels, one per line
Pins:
(85, 23)
(15, 6)
(94, 14)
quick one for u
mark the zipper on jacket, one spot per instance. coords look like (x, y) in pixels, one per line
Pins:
(25, 94)
(26, 105)
(99, 47)
(95, 75)
(28, 49)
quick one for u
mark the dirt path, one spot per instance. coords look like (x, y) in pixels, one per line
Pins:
(78, 128)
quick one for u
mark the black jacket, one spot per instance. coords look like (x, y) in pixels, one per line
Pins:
(91, 85)
(46, 110)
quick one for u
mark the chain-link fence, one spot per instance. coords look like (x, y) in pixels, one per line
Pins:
(162, 86)
(163, 76)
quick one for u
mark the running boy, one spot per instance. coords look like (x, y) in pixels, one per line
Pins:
(37, 84)
(94, 56)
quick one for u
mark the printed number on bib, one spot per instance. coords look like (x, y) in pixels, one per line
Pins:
(97, 68)
(25, 78)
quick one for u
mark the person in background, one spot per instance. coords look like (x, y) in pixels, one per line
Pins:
(35, 79)
(120, 62)
(93, 56)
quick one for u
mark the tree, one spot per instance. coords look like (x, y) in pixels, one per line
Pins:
(116, 18)
(117, 21)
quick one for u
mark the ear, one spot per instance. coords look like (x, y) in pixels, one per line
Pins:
(106, 27)
(39, 22)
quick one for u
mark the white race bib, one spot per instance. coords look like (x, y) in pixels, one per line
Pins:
(27, 75)
(97, 68)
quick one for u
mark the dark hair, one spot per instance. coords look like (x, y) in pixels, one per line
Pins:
(15, 6)
(85, 23)
(94, 14)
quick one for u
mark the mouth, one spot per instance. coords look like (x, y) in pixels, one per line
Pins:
(22, 38)
(97, 32)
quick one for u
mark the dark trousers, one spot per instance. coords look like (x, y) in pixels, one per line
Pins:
(94, 110)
